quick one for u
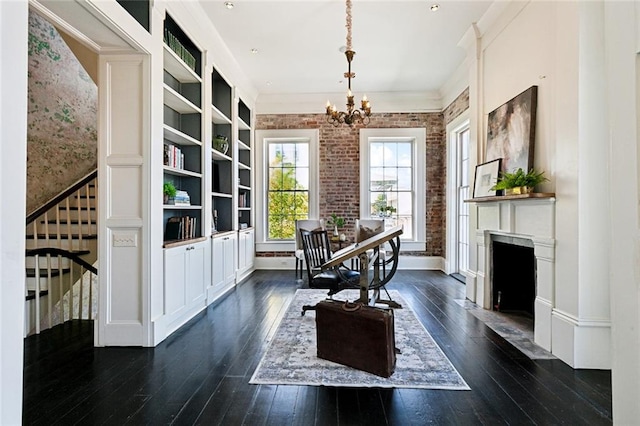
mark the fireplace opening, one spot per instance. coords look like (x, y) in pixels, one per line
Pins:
(514, 278)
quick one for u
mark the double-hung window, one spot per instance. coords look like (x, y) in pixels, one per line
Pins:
(392, 176)
(290, 187)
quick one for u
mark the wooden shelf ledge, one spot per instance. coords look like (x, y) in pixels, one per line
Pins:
(532, 195)
(178, 243)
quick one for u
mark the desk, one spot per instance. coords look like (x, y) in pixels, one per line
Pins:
(336, 241)
(360, 250)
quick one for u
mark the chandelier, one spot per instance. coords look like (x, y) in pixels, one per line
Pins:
(351, 115)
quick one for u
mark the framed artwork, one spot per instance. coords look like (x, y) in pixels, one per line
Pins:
(486, 177)
(511, 132)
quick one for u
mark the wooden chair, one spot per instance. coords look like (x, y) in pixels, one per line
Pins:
(317, 251)
(367, 228)
(307, 225)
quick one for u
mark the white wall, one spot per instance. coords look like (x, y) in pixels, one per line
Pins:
(622, 26)
(558, 47)
(13, 174)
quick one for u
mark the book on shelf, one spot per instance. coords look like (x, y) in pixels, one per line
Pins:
(180, 228)
(173, 157)
(242, 199)
(182, 52)
(182, 198)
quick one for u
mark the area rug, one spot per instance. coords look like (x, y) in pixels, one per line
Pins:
(290, 358)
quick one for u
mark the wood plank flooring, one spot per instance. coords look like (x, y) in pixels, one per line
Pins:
(200, 374)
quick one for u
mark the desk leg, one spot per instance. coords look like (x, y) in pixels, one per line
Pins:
(364, 278)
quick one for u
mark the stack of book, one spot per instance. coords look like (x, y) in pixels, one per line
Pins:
(182, 198)
(180, 228)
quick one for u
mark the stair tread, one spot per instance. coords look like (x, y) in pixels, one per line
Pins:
(31, 294)
(76, 208)
(77, 252)
(65, 222)
(31, 272)
(63, 236)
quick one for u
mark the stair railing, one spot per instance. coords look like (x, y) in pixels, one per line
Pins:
(67, 216)
(87, 274)
(50, 214)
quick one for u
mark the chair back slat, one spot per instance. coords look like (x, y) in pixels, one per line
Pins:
(317, 249)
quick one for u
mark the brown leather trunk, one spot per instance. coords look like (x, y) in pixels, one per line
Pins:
(356, 335)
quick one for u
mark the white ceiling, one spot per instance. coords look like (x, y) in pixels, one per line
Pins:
(401, 46)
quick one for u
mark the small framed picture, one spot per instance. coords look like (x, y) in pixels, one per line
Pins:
(486, 177)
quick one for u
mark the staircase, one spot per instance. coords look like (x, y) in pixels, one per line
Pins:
(61, 243)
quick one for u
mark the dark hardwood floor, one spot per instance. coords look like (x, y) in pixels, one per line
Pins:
(200, 374)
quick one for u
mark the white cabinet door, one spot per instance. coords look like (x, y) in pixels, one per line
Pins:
(196, 255)
(223, 260)
(217, 262)
(230, 250)
(184, 276)
(175, 271)
(246, 250)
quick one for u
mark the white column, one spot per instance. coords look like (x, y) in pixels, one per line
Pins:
(124, 129)
(584, 340)
(622, 26)
(13, 175)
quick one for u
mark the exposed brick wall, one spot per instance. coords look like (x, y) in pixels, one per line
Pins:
(339, 150)
(457, 107)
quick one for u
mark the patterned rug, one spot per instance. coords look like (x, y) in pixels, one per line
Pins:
(290, 358)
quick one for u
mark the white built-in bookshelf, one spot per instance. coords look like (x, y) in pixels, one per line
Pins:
(182, 134)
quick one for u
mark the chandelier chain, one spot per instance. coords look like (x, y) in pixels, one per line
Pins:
(349, 43)
(352, 115)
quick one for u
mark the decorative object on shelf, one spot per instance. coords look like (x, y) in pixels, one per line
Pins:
(169, 192)
(485, 179)
(182, 198)
(337, 222)
(182, 52)
(214, 221)
(511, 131)
(386, 211)
(519, 182)
(221, 144)
(352, 115)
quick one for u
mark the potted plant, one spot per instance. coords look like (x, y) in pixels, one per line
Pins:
(337, 222)
(519, 182)
(386, 211)
(169, 191)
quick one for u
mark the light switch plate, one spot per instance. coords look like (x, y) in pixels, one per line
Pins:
(122, 239)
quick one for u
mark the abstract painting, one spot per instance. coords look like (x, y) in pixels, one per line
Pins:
(511, 131)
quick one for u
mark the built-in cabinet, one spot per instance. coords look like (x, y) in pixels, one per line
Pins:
(185, 281)
(246, 252)
(223, 263)
(207, 144)
(183, 135)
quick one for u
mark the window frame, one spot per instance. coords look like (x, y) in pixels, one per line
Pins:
(418, 137)
(453, 129)
(264, 138)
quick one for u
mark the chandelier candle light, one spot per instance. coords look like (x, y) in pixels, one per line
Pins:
(352, 115)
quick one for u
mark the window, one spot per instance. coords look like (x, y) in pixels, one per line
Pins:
(462, 189)
(392, 178)
(289, 185)
(458, 164)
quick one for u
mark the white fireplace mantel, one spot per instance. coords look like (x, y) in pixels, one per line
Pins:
(530, 218)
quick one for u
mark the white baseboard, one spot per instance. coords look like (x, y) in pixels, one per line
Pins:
(405, 262)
